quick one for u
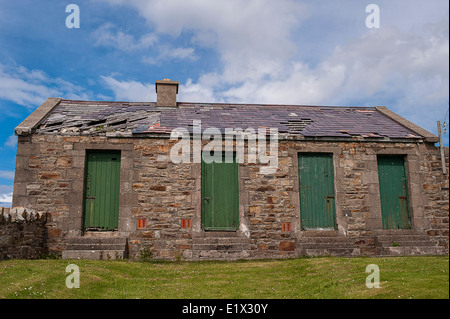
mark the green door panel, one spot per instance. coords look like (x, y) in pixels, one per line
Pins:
(316, 183)
(393, 192)
(220, 195)
(102, 187)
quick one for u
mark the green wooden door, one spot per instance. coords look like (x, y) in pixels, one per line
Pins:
(220, 196)
(316, 182)
(393, 192)
(102, 187)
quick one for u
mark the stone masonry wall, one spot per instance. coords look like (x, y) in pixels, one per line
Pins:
(22, 233)
(436, 187)
(166, 193)
(50, 177)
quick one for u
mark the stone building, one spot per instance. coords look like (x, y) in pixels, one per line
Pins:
(115, 181)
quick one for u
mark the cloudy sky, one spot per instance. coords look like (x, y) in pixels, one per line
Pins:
(252, 51)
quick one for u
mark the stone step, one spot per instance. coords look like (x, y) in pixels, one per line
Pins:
(383, 240)
(350, 251)
(418, 250)
(407, 242)
(95, 248)
(320, 233)
(220, 248)
(307, 240)
(94, 254)
(218, 240)
(326, 246)
(220, 255)
(396, 232)
(327, 243)
(221, 244)
(403, 236)
(96, 243)
(404, 240)
(228, 247)
(401, 243)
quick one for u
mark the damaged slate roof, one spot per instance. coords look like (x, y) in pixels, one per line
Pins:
(71, 117)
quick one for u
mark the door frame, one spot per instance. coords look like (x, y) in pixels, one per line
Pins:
(330, 153)
(237, 213)
(407, 192)
(84, 213)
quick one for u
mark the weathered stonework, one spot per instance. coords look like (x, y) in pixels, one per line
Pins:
(22, 233)
(435, 187)
(50, 177)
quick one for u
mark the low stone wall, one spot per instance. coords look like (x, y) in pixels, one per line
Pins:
(22, 233)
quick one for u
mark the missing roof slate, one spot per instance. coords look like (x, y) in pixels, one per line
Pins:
(93, 118)
(298, 125)
(84, 118)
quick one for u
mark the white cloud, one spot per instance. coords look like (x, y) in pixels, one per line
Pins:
(136, 91)
(21, 87)
(11, 141)
(6, 199)
(7, 174)
(166, 53)
(373, 60)
(301, 85)
(409, 70)
(31, 88)
(196, 92)
(130, 90)
(261, 46)
(106, 36)
(252, 37)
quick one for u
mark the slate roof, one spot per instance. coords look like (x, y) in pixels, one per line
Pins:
(136, 119)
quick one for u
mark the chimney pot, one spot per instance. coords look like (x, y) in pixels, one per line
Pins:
(166, 92)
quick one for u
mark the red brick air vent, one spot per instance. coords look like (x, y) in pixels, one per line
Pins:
(286, 227)
(141, 223)
(185, 223)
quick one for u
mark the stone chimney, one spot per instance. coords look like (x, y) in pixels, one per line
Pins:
(166, 92)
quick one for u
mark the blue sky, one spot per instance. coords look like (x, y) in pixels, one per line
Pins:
(251, 51)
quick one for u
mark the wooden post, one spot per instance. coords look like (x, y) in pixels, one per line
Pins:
(441, 147)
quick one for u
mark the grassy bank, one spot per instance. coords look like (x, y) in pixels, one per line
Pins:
(325, 277)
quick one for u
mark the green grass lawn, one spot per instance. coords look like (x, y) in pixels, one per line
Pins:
(324, 277)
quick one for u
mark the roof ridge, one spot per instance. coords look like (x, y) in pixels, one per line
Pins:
(275, 105)
(223, 104)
